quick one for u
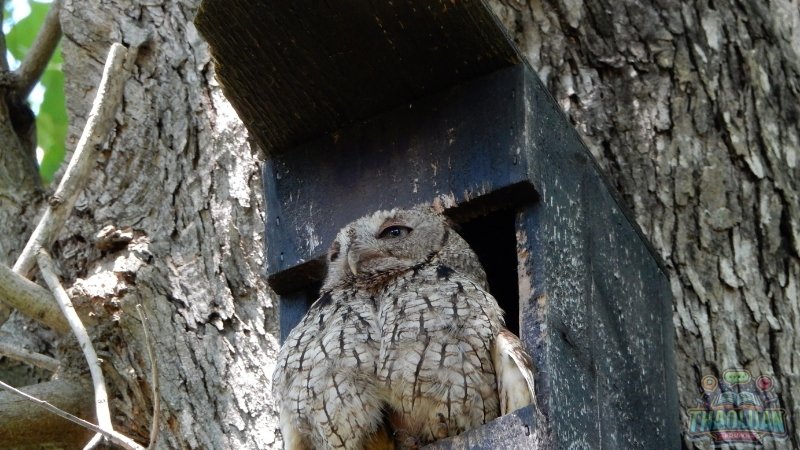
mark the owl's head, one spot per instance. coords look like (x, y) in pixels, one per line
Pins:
(385, 244)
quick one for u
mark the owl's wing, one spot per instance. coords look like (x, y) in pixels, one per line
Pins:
(292, 363)
(514, 370)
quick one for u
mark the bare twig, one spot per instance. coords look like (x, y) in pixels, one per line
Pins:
(115, 437)
(96, 439)
(40, 52)
(30, 299)
(94, 134)
(100, 396)
(23, 425)
(151, 353)
(35, 359)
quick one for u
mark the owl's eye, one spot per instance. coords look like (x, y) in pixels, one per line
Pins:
(333, 252)
(393, 232)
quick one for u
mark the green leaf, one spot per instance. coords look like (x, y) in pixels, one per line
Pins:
(22, 34)
(51, 123)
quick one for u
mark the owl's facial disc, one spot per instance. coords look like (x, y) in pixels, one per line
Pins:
(338, 272)
(390, 242)
(377, 247)
(378, 253)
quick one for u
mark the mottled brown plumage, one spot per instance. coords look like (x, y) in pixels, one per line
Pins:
(446, 360)
(325, 373)
(405, 346)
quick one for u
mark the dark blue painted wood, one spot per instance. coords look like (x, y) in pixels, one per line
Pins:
(594, 304)
(460, 144)
(600, 303)
(302, 68)
(515, 431)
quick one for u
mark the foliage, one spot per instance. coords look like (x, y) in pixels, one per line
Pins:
(51, 120)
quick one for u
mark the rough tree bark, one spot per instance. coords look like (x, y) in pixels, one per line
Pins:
(177, 193)
(692, 111)
(20, 199)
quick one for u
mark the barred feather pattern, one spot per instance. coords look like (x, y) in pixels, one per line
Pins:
(325, 376)
(437, 328)
(405, 346)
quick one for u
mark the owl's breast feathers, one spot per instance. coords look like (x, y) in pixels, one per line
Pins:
(437, 328)
(325, 377)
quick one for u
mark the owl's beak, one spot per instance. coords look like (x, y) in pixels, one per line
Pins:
(352, 262)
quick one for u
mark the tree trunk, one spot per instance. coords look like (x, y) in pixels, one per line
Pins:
(692, 112)
(20, 199)
(180, 183)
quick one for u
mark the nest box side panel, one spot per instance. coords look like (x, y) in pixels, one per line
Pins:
(601, 301)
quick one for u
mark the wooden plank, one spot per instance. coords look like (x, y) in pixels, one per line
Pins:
(515, 431)
(297, 69)
(600, 304)
(439, 146)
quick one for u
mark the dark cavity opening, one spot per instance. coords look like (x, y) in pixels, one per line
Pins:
(493, 238)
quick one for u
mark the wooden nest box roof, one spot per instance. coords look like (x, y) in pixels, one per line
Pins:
(296, 70)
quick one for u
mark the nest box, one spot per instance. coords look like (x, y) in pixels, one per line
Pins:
(368, 105)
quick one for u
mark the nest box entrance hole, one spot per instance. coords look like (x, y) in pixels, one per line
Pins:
(489, 225)
(493, 238)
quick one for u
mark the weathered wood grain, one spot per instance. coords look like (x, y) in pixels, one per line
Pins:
(303, 68)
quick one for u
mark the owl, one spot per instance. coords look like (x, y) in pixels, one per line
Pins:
(446, 363)
(404, 346)
(325, 376)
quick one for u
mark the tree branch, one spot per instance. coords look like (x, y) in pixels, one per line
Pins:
(100, 396)
(30, 299)
(94, 134)
(35, 359)
(93, 441)
(39, 54)
(115, 437)
(23, 426)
